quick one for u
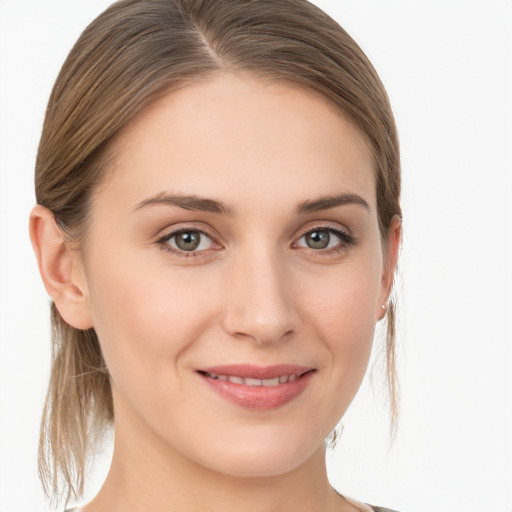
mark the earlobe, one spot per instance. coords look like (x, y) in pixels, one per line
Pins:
(391, 252)
(58, 269)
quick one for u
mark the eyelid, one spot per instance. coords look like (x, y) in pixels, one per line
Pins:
(343, 233)
(162, 239)
(328, 225)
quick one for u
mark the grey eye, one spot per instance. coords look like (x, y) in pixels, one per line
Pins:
(318, 239)
(188, 240)
(325, 238)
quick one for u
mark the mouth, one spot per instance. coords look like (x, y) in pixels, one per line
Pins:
(248, 381)
(256, 387)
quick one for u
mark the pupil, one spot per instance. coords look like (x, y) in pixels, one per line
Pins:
(318, 239)
(188, 241)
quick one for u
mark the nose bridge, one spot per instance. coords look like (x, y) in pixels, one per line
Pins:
(260, 304)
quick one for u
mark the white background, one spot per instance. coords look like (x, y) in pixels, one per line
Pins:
(447, 65)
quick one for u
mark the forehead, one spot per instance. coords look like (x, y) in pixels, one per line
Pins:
(240, 136)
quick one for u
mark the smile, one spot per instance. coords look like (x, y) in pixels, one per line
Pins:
(258, 388)
(247, 381)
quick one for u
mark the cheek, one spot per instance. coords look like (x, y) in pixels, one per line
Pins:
(342, 312)
(144, 321)
(344, 299)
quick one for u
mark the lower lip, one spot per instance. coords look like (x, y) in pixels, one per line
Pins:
(259, 397)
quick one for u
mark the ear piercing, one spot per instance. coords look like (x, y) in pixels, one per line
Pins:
(383, 306)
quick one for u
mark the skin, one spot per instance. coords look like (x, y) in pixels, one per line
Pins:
(254, 292)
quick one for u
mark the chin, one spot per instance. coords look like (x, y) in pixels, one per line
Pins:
(259, 467)
(262, 456)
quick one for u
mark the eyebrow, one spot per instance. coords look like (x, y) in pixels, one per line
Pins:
(193, 203)
(196, 203)
(325, 203)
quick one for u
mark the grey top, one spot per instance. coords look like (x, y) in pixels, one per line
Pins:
(376, 509)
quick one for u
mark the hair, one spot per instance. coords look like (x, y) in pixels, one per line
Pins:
(134, 52)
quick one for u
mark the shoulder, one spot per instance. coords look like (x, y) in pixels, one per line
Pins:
(363, 507)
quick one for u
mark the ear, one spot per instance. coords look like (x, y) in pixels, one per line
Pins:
(391, 251)
(60, 269)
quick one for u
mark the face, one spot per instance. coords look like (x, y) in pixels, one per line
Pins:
(234, 273)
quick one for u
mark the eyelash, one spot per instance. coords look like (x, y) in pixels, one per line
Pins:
(162, 242)
(346, 240)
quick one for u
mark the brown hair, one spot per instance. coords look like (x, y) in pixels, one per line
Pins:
(134, 51)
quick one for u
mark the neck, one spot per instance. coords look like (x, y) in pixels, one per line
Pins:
(146, 474)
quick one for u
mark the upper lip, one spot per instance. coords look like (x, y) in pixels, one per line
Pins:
(256, 372)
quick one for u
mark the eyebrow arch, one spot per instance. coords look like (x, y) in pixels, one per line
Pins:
(195, 203)
(324, 203)
(192, 202)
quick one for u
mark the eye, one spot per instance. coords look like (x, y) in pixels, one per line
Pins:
(323, 238)
(186, 241)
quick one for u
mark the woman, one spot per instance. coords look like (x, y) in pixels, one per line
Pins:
(218, 225)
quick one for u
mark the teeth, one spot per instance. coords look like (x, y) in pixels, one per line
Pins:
(248, 381)
(252, 382)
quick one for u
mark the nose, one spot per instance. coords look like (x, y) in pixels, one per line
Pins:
(260, 305)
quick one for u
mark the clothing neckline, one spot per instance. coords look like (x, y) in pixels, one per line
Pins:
(361, 507)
